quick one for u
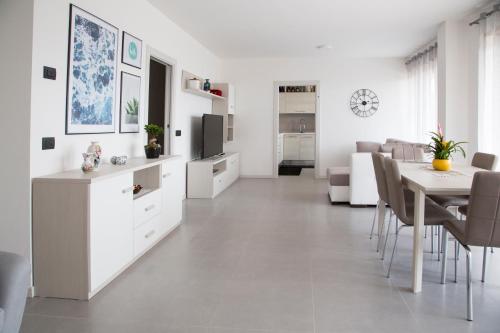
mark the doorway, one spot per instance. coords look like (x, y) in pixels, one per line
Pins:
(160, 99)
(296, 128)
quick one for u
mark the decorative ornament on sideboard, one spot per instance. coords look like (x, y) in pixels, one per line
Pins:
(88, 162)
(96, 150)
(153, 148)
(206, 85)
(442, 150)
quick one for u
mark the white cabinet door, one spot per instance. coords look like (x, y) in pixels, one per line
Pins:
(291, 146)
(306, 150)
(304, 102)
(282, 102)
(111, 227)
(173, 193)
(230, 99)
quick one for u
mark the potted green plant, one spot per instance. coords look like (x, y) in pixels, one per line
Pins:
(442, 150)
(153, 148)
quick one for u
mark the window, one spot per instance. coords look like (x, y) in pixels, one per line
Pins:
(422, 78)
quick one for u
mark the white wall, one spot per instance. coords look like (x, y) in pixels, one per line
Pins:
(50, 45)
(339, 128)
(16, 32)
(34, 34)
(453, 81)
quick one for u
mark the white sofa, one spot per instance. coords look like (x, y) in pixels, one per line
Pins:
(356, 184)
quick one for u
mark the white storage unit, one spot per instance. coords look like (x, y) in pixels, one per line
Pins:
(299, 146)
(87, 228)
(225, 107)
(297, 102)
(209, 177)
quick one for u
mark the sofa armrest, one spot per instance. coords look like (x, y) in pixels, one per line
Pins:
(363, 186)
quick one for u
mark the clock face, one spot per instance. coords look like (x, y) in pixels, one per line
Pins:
(364, 103)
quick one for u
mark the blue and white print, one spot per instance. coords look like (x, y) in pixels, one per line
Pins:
(92, 74)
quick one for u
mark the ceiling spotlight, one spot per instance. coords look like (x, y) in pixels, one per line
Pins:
(324, 47)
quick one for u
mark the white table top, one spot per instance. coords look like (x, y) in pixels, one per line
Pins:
(457, 181)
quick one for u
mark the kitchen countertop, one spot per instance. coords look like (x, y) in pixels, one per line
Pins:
(298, 133)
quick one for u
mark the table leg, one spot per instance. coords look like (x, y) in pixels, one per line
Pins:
(418, 235)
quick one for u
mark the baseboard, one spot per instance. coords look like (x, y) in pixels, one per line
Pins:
(257, 176)
(31, 292)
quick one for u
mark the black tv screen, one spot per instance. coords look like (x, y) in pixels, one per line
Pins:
(212, 135)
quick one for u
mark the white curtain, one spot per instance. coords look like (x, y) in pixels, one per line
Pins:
(422, 78)
(489, 85)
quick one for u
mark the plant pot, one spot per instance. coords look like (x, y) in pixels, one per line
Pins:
(152, 152)
(441, 165)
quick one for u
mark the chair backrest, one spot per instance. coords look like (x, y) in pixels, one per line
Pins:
(395, 188)
(483, 215)
(408, 152)
(378, 166)
(484, 161)
(368, 146)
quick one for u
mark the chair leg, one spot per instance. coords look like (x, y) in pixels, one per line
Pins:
(382, 232)
(469, 286)
(387, 235)
(393, 250)
(374, 218)
(432, 239)
(445, 256)
(439, 242)
(485, 253)
(457, 252)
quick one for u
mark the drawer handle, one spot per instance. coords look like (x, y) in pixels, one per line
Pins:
(128, 189)
(149, 234)
(148, 208)
(168, 174)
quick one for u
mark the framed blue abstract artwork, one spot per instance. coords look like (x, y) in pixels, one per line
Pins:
(92, 63)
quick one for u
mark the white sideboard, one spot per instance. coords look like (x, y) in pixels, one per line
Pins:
(89, 227)
(209, 177)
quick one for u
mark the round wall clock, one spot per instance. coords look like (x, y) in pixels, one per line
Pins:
(364, 103)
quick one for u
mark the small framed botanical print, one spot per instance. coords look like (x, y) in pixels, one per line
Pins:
(131, 50)
(130, 103)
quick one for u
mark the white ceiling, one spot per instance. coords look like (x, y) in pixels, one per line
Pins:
(293, 28)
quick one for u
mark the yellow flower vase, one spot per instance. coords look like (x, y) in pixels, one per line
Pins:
(441, 165)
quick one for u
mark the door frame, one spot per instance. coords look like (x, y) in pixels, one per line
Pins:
(276, 122)
(152, 53)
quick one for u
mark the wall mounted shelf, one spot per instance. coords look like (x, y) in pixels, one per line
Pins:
(186, 76)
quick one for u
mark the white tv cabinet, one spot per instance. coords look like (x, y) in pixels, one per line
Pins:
(209, 177)
(89, 227)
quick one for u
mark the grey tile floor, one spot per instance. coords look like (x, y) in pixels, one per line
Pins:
(274, 256)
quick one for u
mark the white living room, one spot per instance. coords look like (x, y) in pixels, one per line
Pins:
(250, 166)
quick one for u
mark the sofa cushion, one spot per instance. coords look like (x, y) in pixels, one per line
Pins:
(368, 147)
(338, 176)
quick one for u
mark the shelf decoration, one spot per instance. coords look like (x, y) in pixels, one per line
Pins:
(92, 63)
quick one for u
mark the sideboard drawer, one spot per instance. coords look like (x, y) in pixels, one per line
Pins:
(145, 236)
(147, 207)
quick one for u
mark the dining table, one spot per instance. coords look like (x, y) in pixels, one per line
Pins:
(423, 180)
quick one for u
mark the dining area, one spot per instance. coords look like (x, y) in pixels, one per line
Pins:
(450, 210)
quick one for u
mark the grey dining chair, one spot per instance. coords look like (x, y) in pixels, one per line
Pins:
(379, 168)
(434, 214)
(408, 152)
(480, 160)
(482, 227)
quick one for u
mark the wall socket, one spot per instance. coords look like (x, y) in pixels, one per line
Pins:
(48, 143)
(49, 73)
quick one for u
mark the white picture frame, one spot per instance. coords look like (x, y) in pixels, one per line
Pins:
(130, 103)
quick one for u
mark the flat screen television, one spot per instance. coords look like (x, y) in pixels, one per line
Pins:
(213, 132)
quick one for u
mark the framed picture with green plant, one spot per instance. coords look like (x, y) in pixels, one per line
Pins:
(130, 103)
